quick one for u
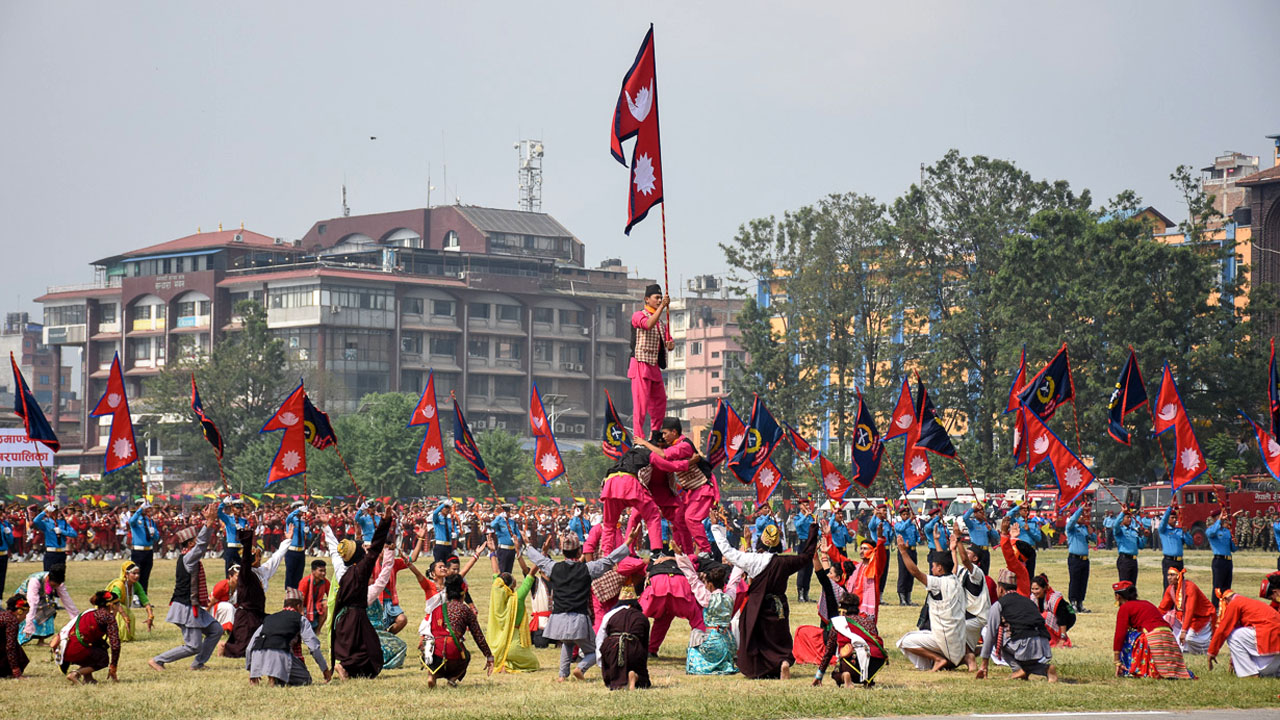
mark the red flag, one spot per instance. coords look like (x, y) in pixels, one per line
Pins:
(834, 484)
(915, 461)
(736, 431)
(767, 479)
(1189, 461)
(636, 115)
(122, 450)
(1072, 475)
(546, 454)
(291, 457)
(904, 414)
(431, 454)
(1268, 446)
(803, 448)
(1036, 439)
(1019, 380)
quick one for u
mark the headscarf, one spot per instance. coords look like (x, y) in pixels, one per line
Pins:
(126, 588)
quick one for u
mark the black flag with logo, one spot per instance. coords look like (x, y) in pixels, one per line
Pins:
(1050, 388)
(1129, 394)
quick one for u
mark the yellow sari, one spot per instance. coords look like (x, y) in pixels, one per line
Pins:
(508, 633)
(124, 615)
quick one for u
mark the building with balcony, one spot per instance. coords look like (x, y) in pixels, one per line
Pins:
(41, 365)
(491, 300)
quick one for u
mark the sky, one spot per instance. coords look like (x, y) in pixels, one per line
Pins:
(132, 123)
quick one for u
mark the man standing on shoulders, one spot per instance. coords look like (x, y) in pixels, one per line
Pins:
(650, 341)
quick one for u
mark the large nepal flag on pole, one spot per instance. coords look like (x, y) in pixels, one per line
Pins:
(834, 483)
(465, 444)
(636, 115)
(1071, 474)
(546, 454)
(431, 452)
(1189, 461)
(767, 479)
(1051, 387)
(122, 449)
(716, 436)
(868, 450)
(616, 441)
(26, 407)
(291, 456)
(1129, 395)
(1268, 446)
(762, 435)
(904, 413)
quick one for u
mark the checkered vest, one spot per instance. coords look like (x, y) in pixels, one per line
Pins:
(647, 345)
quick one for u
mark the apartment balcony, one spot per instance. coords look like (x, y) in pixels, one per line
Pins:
(190, 323)
(65, 334)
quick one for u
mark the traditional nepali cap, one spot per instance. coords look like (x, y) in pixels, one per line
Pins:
(652, 289)
(1270, 584)
(346, 549)
(1121, 586)
(236, 501)
(140, 501)
(770, 536)
(570, 542)
(292, 594)
(626, 592)
(1007, 577)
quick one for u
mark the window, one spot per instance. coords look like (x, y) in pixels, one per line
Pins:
(478, 311)
(573, 353)
(442, 308)
(509, 349)
(355, 297)
(140, 349)
(444, 346)
(715, 374)
(64, 315)
(478, 348)
(544, 315)
(677, 353)
(508, 387)
(140, 312)
(695, 348)
(478, 386)
(411, 343)
(543, 351)
(292, 297)
(451, 240)
(715, 389)
(715, 354)
(509, 313)
(351, 350)
(413, 306)
(193, 308)
(571, 317)
(107, 313)
(44, 379)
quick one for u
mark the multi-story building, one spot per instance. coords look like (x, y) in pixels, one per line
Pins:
(42, 367)
(490, 300)
(706, 353)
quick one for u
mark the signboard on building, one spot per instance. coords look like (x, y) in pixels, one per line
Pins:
(17, 451)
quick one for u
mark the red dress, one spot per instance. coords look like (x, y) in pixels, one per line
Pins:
(95, 632)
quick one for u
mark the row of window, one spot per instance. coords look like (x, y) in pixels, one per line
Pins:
(164, 266)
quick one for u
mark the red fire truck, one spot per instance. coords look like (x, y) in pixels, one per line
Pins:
(1195, 502)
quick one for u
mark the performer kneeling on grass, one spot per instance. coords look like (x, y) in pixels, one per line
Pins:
(86, 640)
(623, 640)
(1251, 631)
(508, 633)
(200, 632)
(1144, 644)
(943, 645)
(13, 659)
(1188, 612)
(1016, 628)
(711, 651)
(43, 590)
(852, 638)
(270, 652)
(357, 649)
(127, 587)
(451, 656)
(251, 593)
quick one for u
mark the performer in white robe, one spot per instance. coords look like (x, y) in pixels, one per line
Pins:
(943, 644)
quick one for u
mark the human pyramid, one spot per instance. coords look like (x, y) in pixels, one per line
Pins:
(607, 601)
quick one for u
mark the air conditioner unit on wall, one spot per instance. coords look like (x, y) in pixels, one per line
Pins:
(579, 428)
(335, 309)
(559, 427)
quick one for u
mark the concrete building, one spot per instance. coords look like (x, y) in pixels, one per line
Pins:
(491, 300)
(706, 354)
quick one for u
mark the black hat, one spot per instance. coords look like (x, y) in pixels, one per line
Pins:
(652, 289)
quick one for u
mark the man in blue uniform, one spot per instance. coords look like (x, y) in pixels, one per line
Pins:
(295, 533)
(840, 537)
(936, 534)
(7, 545)
(232, 523)
(981, 535)
(1220, 542)
(143, 536)
(445, 531)
(1129, 538)
(906, 529)
(505, 530)
(56, 531)
(367, 519)
(1172, 540)
(580, 525)
(1079, 536)
(803, 522)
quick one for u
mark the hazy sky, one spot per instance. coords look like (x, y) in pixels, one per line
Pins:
(128, 123)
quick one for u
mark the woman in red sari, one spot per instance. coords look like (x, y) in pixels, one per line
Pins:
(86, 640)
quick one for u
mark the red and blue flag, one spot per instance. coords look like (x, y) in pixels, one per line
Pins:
(210, 430)
(762, 435)
(431, 452)
(616, 441)
(465, 444)
(1130, 394)
(26, 407)
(291, 457)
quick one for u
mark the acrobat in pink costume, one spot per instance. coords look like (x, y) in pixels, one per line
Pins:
(623, 487)
(648, 357)
(667, 597)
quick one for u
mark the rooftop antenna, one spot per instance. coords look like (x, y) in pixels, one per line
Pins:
(529, 175)
(346, 211)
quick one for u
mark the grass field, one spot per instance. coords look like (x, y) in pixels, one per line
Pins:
(224, 691)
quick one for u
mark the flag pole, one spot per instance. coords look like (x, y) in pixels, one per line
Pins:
(444, 467)
(348, 469)
(666, 278)
(1159, 444)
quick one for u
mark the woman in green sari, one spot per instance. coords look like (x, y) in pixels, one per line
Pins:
(508, 632)
(126, 587)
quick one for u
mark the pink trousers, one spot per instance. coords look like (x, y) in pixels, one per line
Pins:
(648, 397)
(667, 598)
(620, 492)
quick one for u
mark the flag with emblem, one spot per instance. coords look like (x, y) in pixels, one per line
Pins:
(767, 479)
(431, 452)
(806, 451)
(904, 413)
(636, 116)
(206, 425)
(1189, 462)
(1129, 394)
(617, 440)
(867, 447)
(1069, 471)
(762, 435)
(122, 449)
(26, 407)
(834, 483)
(291, 456)
(915, 461)
(1050, 388)
(931, 434)
(546, 454)
(465, 444)
(1268, 446)
(715, 438)
(1019, 379)
(315, 423)
(1273, 390)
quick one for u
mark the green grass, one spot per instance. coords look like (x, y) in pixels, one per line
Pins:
(224, 691)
